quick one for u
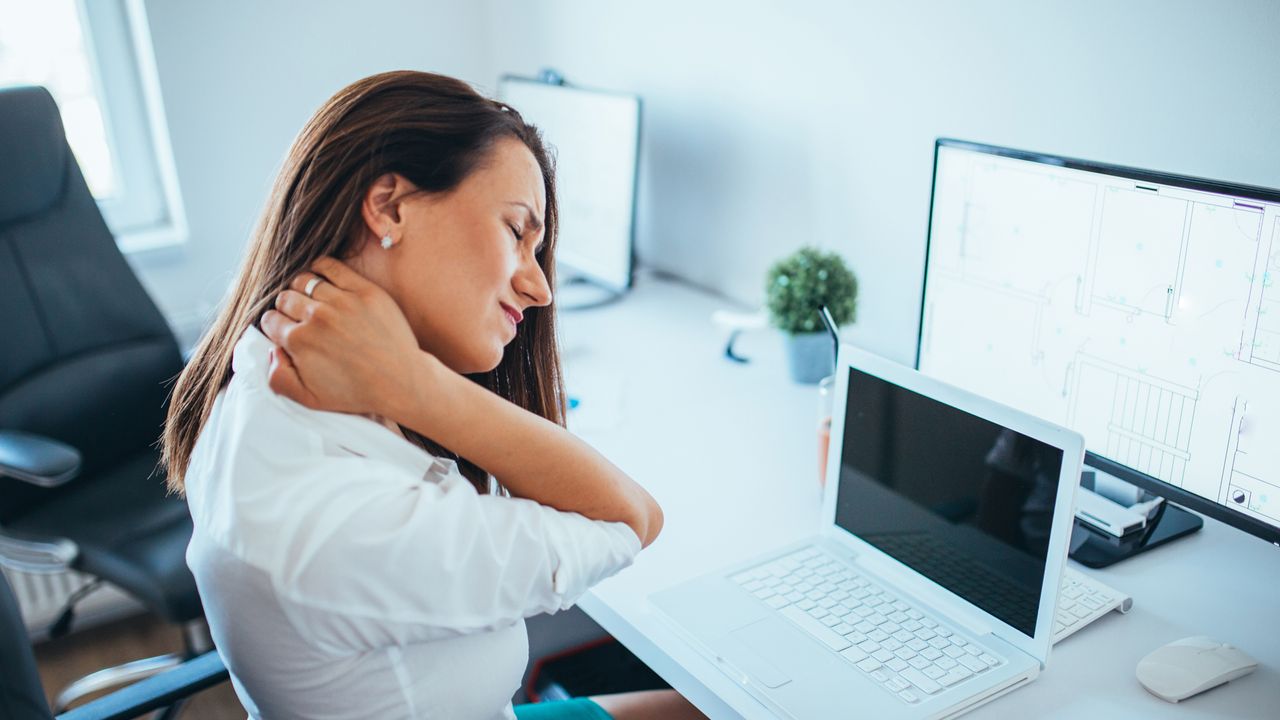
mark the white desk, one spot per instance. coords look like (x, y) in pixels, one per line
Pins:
(730, 453)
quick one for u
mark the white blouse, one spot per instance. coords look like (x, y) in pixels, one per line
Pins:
(347, 573)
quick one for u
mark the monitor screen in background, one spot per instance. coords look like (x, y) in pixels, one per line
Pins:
(1143, 315)
(959, 499)
(594, 140)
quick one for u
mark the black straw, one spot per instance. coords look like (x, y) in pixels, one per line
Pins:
(835, 335)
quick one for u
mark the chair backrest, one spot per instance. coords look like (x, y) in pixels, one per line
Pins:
(86, 354)
(21, 695)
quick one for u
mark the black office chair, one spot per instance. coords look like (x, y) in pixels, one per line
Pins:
(22, 697)
(84, 363)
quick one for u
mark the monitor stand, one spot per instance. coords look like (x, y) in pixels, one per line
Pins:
(580, 293)
(1097, 549)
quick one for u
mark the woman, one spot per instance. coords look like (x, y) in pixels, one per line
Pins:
(370, 437)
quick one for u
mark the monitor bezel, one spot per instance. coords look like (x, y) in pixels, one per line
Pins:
(1171, 492)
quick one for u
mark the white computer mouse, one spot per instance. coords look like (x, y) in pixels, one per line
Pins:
(1191, 665)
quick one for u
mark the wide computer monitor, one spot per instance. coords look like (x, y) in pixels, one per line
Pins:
(1138, 308)
(595, 138)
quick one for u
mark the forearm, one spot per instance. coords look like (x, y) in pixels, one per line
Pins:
(532, 457)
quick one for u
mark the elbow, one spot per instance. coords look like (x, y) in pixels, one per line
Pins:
(649, 524)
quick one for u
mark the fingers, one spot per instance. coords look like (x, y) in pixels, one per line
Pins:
(277, 327)
(283, 379)
(340, 274)
(296, 306)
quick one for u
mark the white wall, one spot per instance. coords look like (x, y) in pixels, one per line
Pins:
(773, 124)
(768, 124)
(239, 79)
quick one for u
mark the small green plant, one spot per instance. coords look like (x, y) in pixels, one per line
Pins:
(797, 285)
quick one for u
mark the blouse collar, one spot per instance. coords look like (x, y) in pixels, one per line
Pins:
(355, 433)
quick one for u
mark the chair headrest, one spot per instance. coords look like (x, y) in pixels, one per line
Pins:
(33, 152)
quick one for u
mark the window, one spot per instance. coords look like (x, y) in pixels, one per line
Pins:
(95, 57)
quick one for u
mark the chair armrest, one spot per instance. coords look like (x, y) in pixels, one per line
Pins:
(158, 691)
(20, 551)
(37, 460)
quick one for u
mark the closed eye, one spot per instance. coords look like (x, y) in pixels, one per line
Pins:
(516, 232)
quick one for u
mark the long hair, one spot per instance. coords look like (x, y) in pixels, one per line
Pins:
(434, 131)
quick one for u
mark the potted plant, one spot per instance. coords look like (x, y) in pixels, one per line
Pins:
(795, 288)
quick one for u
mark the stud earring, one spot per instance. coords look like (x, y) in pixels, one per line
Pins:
(387, 242)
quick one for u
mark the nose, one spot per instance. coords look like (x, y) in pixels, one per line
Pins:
(531, 282)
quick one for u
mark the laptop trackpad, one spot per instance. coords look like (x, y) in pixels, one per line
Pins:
(749, 647)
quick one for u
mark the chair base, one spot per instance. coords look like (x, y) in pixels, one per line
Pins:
(114, 677)
(195, 637)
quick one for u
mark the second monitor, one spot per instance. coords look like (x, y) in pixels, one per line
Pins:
(1138, 308)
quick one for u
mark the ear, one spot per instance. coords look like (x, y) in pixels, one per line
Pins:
(381, 206)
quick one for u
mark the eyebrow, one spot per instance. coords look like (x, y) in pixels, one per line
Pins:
(535, 224)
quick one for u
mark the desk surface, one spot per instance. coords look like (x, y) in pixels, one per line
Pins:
(730, 452)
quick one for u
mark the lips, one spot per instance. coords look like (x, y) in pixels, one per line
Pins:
(515, 315)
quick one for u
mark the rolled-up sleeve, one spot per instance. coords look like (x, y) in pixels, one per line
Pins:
(370, 555)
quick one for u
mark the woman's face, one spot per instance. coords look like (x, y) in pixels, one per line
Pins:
(463, 267)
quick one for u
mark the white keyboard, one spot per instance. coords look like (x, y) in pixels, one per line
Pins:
(1081, 600)
(909, 653)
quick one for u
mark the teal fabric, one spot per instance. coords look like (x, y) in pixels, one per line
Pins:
(575, 709)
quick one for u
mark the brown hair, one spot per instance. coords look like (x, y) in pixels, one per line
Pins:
(434, 131)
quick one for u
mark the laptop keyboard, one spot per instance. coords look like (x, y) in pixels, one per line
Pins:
(909, 653)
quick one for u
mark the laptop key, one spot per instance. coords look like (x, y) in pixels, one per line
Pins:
(854, 654)
(909, 696)
(815, 628)
(920, 680)
(973, 663)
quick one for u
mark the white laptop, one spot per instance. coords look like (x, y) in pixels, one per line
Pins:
(930, 586)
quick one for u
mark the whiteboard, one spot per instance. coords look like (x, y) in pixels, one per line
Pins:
(595, 138)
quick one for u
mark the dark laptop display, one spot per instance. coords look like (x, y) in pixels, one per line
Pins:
(961, 500)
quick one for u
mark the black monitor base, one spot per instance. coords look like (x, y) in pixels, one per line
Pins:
(1096, 549)
(580, 293)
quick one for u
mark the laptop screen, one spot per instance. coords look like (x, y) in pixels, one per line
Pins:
(963, 501)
